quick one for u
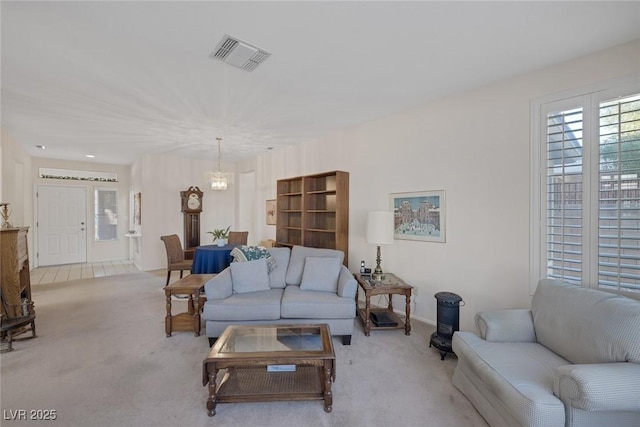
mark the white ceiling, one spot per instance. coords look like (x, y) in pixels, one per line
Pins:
(121, 79)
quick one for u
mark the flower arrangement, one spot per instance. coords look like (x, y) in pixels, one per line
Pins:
(220, 233)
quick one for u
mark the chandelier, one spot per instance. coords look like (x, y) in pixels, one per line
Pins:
(218, 180)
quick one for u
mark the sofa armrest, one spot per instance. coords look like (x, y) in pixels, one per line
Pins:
(347, 284)
(506, 325)
(220, 286)
(599, 387)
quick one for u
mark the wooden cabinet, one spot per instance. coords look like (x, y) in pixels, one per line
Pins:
(18, 315)
(313, 211)
(14, 272)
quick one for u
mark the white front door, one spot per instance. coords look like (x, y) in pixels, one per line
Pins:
(61, 225)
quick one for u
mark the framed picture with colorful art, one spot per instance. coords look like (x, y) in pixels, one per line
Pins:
(419, 216)
(271, 212)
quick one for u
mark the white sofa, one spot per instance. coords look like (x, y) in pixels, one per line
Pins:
(306, 285)
(573, 359)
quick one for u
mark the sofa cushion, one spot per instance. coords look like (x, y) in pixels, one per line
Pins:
(298, 255)
(249, 276)
(301, 304)
(600, 387)
(506, 325)
(320, 274)
(585, 325)
(244, 253)
(276, 276)
(260, 305)
(219, 286)
(347, 285)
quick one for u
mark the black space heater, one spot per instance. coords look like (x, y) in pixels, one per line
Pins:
(448, 322)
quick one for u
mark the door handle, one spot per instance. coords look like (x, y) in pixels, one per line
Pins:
(82, 229)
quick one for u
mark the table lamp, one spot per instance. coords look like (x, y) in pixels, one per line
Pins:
(379, 232)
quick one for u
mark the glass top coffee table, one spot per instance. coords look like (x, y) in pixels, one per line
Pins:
(271, 363)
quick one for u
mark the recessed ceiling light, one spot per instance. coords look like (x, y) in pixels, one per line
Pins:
(91, 156)
(40, 147)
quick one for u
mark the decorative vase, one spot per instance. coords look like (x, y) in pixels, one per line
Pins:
(221, 242)
(5, 215)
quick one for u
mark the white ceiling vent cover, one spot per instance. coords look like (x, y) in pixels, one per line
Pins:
(239, 53)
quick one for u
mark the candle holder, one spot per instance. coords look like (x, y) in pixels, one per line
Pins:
(4, 212)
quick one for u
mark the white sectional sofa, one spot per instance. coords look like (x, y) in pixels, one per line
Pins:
(305, 285)
(573, 359)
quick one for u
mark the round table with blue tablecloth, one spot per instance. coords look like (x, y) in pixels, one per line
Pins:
(209, 259)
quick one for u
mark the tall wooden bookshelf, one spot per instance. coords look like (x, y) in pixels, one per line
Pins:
(313, 211)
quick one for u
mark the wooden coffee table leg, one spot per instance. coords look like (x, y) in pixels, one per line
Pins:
(167, 319)
(326, 377)
(211, 401)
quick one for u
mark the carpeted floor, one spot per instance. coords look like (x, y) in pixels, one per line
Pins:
(102, 359)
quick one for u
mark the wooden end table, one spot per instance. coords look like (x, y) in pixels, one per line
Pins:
(189, 321)
(391, 284)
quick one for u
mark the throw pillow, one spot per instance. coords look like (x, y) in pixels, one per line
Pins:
(250, 253)
(250, 276)
(320, 274)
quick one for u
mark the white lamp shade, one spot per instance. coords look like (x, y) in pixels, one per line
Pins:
(380, 227)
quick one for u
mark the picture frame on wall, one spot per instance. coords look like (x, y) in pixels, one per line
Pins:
(271, 211)
(419, 215)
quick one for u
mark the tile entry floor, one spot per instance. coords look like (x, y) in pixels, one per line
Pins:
(63, 273)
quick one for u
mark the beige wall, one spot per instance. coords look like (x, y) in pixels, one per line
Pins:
(15, 185)
(160, 179)
(475, 146)
(15, 180)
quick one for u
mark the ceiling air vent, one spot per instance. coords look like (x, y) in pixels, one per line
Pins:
(238, 53)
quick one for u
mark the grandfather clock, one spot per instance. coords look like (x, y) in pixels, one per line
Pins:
(191, 208)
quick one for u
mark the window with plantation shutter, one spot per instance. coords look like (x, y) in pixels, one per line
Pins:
(564, 195)
(619, 194)
(586, 190)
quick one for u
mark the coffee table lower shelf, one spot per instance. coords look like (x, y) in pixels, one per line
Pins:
(257, 385)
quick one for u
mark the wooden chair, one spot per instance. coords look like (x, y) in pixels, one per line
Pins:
(175, 256)
(19, 324)
(238, 237)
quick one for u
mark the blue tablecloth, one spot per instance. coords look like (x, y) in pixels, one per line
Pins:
(209, 259)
